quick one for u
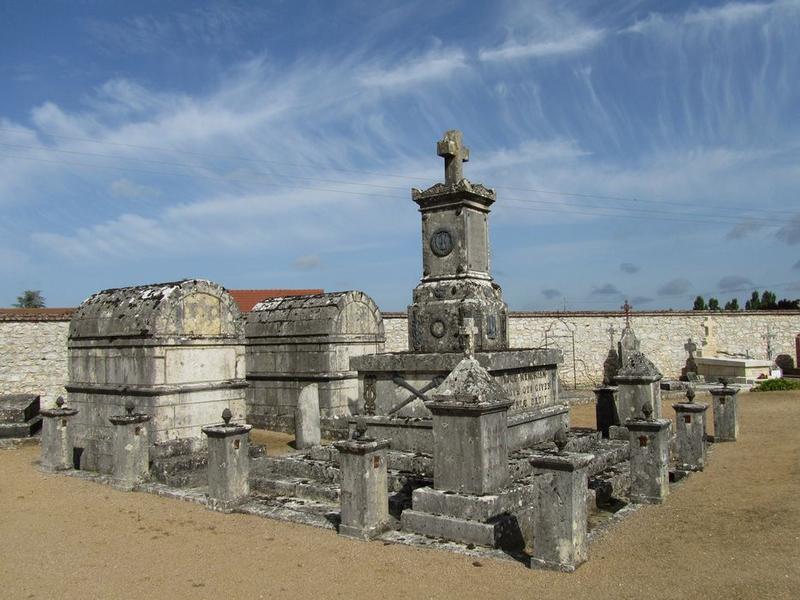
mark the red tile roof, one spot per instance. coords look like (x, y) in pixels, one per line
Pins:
(36, 314)
(247, 299)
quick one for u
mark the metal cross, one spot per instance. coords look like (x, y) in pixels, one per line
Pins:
(451, 148)
(468, 333)
(627, 308)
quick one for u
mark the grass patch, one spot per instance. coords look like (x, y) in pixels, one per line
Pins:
(777, 385)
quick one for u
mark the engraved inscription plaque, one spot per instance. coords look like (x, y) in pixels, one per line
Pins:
(437, 329)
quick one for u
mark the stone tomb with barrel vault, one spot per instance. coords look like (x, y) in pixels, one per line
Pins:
(301, 341)
(457, 307)
(176, 350)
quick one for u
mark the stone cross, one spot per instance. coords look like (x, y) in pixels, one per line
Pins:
(611, 331)
(769, 337)
(468, 333)
(452, 149)
(627, 308)
(690, 347)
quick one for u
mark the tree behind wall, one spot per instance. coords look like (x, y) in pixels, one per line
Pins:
(30, 299)
(699, 303)
(713, 304)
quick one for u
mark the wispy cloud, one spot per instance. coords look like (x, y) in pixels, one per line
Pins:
(789, 232)
(745, 228)
(629, 268)
(576, 42)
(438, 64)
(125, 188)
(734, 283)
(606, 289)
(674, 287)
(733, 12)
(307, 262)
(551, 293)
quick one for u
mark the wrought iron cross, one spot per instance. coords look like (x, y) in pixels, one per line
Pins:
(451, 148)
(627, 308)
(468, 333)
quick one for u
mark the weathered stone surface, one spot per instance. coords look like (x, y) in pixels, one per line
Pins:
(649, 459)
(726, 418)
(177, 349)
(19, 415)
(306, 418)
(57, 438)
(690, 435)
(560, 519)
(364, 489)
(470, 429)
(300, 340)
(130, 449)
(228, 463)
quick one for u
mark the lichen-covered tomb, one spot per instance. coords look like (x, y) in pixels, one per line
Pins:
(301, 341)
(461, 439)
(175, 349)
(457, 305)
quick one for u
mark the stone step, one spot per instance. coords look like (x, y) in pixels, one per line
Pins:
(297, 466)
(276, 485)
(292, 509)
(612, 485)
(186, 470)
(24, 429)
(502, 532)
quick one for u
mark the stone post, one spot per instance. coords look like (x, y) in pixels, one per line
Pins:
(649, 457)
(57, 443)
(560, 521)
(130, 448)
(470, 432)
(306, 418)
(228, 463)
(606, 408)
(364, 491)
(690, 434)
(726, 419)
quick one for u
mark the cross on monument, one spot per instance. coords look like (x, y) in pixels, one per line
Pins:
(611, 331)
(690, 347)
(451, 148)
(769, 337)
(627, 308)
(468, 333)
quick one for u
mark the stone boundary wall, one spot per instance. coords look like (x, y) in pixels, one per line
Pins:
(663, 336)
(33, 352)
(33, 346)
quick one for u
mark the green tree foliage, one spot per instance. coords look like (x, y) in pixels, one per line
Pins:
(699, 303)
(732, 304)
(713, 304)
(754, 303)
(786, 304)
(768, 301)
(30, 299)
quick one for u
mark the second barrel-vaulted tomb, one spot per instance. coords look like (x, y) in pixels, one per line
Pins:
(296, 341)
(175, 349)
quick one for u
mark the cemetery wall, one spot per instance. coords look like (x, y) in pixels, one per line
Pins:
(33, 354)
(662, 335)
(33, 350)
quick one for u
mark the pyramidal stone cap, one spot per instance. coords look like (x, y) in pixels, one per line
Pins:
(470, 384)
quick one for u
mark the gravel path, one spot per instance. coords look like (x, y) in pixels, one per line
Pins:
(732, 531)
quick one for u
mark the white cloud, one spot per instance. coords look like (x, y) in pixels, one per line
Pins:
(573, 43)
(734, 12)
(307, 262)
(438, 64)
(125, 188)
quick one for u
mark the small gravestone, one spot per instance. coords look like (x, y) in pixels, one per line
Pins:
(306, 418)
(19, 415)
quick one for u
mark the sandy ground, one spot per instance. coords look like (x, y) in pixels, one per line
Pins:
(732, 531)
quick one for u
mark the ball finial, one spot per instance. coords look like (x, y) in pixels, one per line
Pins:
(690, 394)
(129, 406)
(560, 438)
(647, 410)
(227, 415)
(60, 401)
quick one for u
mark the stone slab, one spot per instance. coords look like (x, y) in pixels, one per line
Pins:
(21, 430)
(18, 408)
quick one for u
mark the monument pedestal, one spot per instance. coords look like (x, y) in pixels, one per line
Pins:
(19, 415)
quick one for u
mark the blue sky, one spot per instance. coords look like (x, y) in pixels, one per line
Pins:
(647, 150)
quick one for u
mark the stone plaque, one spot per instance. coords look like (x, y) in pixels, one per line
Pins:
(437, 329)
(529, 388)
(491, 327)
(442, 242)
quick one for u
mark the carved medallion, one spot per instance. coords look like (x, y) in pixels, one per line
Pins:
(437, 329)
(442, 242)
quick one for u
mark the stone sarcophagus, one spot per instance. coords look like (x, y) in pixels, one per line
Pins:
(297, 341)
(176, 350)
